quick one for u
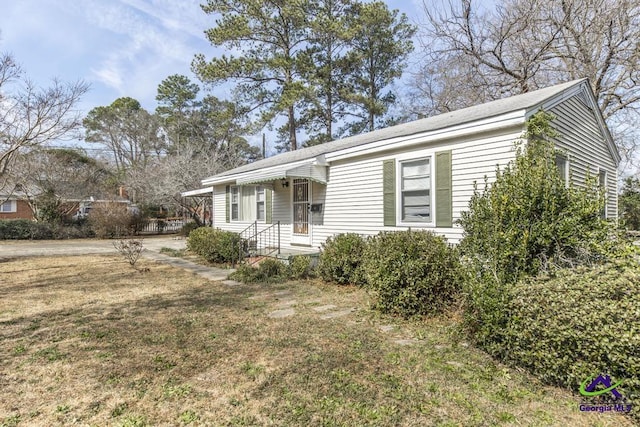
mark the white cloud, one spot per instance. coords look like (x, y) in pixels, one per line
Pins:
(148, 42)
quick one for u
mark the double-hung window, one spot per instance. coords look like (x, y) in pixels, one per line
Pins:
(562, 164)
(260, 212)
(8, 206)
(415, 187)
(235, 203)
(247, 203)
(602, 181)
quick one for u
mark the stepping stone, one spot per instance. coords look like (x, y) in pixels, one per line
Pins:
(387, 328)
(278, 314)
(231, 283)
(281, 293)
(335, 314)
(285, 304)
(322, 308)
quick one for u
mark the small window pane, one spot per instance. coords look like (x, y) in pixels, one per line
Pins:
(422, 183)
(6, 206)
(416, 198)
(416, 213)
(561, 164)
(417, 168)
(234, 212)
(260, 212)
(602, 179)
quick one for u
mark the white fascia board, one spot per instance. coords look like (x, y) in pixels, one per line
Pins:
(231, 179)
(197, 192)
(504, 121)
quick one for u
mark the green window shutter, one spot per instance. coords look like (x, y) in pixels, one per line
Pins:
(389, 192)
(268, 205)
(444, 204)
(228, 204)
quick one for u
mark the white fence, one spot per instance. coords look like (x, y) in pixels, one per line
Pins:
(162, 226)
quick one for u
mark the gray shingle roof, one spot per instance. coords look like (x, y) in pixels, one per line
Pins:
(441, 121)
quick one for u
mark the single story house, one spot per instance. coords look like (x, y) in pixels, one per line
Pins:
(15, 207)
(15, 202)
(417, 175)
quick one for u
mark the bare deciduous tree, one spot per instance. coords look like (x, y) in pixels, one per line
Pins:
(30, 116)
(474, 55)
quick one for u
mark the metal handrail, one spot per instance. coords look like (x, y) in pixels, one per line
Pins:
(263, 243)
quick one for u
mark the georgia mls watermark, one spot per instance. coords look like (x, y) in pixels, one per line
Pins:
(607, 399)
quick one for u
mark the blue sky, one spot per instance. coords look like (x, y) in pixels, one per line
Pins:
(120, 47)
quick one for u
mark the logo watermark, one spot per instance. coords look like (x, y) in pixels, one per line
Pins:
(606, 398)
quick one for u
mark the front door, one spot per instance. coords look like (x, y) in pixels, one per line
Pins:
(301, 227)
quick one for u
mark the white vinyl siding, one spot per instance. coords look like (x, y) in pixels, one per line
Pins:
(352, 199)
(581, 138)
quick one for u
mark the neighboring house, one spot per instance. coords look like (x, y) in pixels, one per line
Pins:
(417, 175)
(15, 207)
(15, 202)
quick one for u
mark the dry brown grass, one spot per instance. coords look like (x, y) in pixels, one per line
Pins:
(88, 341)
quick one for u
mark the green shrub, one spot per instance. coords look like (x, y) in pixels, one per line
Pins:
(340, 259)
(300, 267)
(268, 270)
(581, 323)
(411, 272)
(15, 229)
(629, 204)
(188, 228)
(215, 245)
(24, 229)
(528, 222)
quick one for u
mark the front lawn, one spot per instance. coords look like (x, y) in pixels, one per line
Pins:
(88, 341)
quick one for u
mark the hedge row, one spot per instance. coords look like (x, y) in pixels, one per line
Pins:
(577, 325)
(24, 229)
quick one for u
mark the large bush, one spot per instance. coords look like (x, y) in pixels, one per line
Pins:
(340, 259)
(111, 220)
(581, 323)
(215, 245)
(527, 222)
(411, 272)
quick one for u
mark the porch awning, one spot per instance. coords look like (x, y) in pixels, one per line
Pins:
(309, 171)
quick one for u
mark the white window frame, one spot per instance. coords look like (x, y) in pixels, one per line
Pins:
(261, 190)
(236, 203)
(602, 186)
(567, 165)
(413, 157)
(13, 206)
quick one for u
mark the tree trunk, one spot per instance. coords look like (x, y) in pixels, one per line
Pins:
(292, 129)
